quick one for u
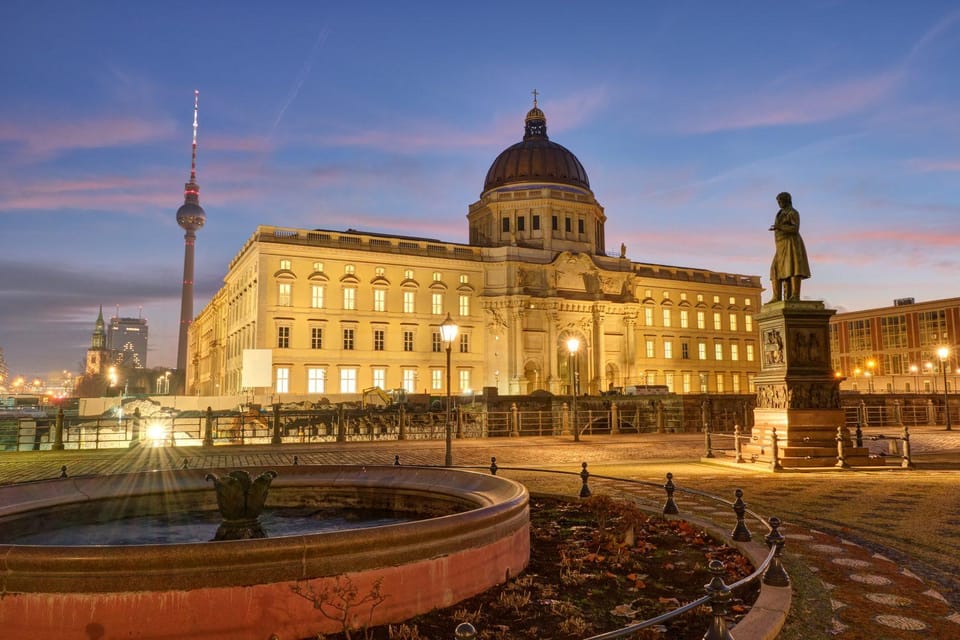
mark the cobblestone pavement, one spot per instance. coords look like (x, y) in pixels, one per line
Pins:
(874, 594)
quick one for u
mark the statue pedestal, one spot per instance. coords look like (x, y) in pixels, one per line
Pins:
(797, 392)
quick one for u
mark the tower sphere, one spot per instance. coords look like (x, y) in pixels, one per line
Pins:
(191, 216)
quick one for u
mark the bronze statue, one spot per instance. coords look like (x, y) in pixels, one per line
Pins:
(790, 264)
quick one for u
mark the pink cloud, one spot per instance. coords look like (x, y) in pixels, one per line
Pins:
(44, 139)
(928, 165)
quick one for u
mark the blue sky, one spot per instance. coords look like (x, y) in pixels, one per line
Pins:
(385, 116)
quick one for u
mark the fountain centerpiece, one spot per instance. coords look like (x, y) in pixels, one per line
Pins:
(240, 500)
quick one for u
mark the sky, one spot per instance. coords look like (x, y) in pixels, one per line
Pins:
(689, 118)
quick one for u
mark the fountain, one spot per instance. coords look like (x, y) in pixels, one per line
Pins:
(475, 534)
(241, 501)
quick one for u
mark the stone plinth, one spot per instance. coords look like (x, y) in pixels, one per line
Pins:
(797, 392)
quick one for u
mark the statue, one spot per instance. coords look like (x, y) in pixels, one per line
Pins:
(240, 499)
(790, 264)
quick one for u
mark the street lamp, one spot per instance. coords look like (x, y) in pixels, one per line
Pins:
(573, 345)
(914, 369)
(943, 352)
(871, 364)
(448, 333)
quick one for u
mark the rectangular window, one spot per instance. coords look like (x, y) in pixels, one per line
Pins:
(702, 350)
(316, 296)
(568, 225)
(684, 351)
(410, 380)
(668, 349)
(686, 383)
(684, 318)
(648, 316)
(436, 303)
(858, 335)
(283, 337)
(720, 378)
(348, 380)
(718, 351)
(580, 226)
(437, 342)
(521, 223)
(379, 339)
(717, 324)
(735, 382)
(436, 379)
(283, 380)
(555, 224)
(349, 298)
(893, 332)
(733, 322)
(409, 301)
(535, 223)
(748, 322)
(701, 323)
(316, 380)
(464, 305)
(284, 294)
(316, 337)
(348, 339)
(505, 225)
(408, 340)
(734, 352)
(464, 376)
(667, 318)
(704, 383)
(650, 351)
(379, 299)
(379, 377)
(749, 353)
(464, 343)
(668, 380)
(285, 265)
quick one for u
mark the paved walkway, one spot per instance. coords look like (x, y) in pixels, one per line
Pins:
(874, 594)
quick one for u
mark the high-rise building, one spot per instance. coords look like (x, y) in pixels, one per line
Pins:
(191, 217)
(127, 342)
(346, 310)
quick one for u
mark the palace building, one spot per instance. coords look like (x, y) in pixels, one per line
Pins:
(344, 311)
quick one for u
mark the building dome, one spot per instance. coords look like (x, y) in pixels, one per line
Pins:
(536, 158)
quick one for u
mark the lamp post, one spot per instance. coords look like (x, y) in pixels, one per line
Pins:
(871, 364)
(943, 352)
(573, 345)
(916, 378)
(448, 333)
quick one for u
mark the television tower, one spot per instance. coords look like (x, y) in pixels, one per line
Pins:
(191, 217)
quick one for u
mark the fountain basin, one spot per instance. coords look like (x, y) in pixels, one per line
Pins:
(477, 536)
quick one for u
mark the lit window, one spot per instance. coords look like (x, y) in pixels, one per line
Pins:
(699, 297)
(380, 272)
(379, 339)
(285, 265)
(718, 351)
(668, 379)
(410, 380)
(283, 337)
(436, 379)
(409, 301)
(318, 266)
(316, 380)
(379, 300)
(668, 349)
(716, 299)
(349, 269)
(284, 294)
(749, 353)
(648, 316)
(650, 351)
(647, 293)
(717, 323)
(733, 322)
(684, 318)
(686, 383)
(464, 343)
(348, 339)
(683, 295)
(349, 298)
(667, 318)
(379, 377)
(437, 277)
(651, 378)
(734, 352)
(735, 380)
(436, 303)
(748, 322)
(464, 379)
(720, 378)
(348, 380)
(464, 278)
(704, 380)
(283, 380)
(408, 340)
(408, 274)
(702, 350)
(666, 295)
(316, 296)
(701, 322)
(464, 305)
(746, 302)
(732, 300)
(316, 337)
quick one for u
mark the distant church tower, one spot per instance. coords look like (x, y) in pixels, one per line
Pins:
(191, 217)
(98, 356)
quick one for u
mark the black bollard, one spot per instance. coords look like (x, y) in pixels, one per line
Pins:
(584, 476)
(63, 471)
(740, 532)
(396, 460)
(493, 465)
(670, 507)
(720, 596)
(296, 460)
(776, 575)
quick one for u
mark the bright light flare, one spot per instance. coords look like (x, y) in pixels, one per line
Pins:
(157, 434)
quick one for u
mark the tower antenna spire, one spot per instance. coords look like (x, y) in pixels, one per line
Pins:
(193, 159)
